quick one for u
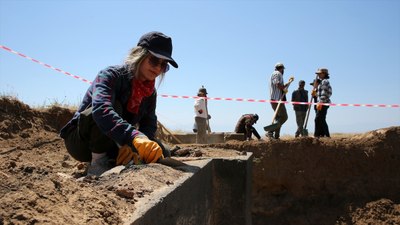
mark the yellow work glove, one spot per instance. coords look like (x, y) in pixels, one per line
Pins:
(314, 93)
(149, 151)
(285, 91)
(125, 155)
(319, 107)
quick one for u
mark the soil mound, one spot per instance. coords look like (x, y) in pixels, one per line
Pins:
(352, 180)
(18, 119)
(42, 184)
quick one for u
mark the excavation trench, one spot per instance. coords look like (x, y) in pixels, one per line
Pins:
(326, 181)
(298, 181)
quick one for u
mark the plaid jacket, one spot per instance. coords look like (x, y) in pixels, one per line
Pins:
(111, 86)
(324, 91)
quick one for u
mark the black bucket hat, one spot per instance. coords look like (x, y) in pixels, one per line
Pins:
(202, 90)
(159, 45)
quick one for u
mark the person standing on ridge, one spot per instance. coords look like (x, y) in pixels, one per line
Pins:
(300, 95)
(322, 92)
(278, 90)
(201, 116)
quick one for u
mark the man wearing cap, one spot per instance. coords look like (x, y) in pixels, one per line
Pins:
(245, 126)
(278, 90)
(201, 116)
(323, 92)
(300, 95)
(116, 121)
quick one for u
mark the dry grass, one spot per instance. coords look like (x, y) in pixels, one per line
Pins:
(46, 105)
(55, 103)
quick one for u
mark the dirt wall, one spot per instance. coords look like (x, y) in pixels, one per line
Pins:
(324, 181)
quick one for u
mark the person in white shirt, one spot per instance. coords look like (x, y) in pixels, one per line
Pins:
(278, 89)
(201, 116)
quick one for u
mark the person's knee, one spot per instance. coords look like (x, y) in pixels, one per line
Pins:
(76, 147)
(80, 154)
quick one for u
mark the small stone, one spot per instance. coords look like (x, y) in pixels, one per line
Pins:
(198, 153)
(182, 152)
(124, 193)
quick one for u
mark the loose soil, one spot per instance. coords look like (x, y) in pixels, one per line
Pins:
(350, 180)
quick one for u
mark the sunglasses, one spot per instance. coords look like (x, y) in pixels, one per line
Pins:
(155, 62)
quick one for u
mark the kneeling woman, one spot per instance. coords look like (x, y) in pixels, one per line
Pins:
(116, 120)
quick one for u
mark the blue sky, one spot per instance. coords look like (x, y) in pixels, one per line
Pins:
(230, 47)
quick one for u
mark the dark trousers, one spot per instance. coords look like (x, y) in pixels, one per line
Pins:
(86, 138)
(300, 118)
(201, 136)
(321, 127)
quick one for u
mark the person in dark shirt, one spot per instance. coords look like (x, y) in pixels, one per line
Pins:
(116, 120)
(245, 126)
(300, 95)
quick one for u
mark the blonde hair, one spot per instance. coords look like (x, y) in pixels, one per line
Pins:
(134, 60)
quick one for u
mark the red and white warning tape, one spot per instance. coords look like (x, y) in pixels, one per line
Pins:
(194, 97)
(285, 102)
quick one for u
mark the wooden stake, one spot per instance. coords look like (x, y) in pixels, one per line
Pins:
(169, 132)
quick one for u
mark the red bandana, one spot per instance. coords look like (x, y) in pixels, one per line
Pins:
(140, 89)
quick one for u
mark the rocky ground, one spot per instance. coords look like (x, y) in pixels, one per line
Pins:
(352, 180)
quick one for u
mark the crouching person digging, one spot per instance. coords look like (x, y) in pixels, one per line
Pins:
(245, 126)
(116, 121)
